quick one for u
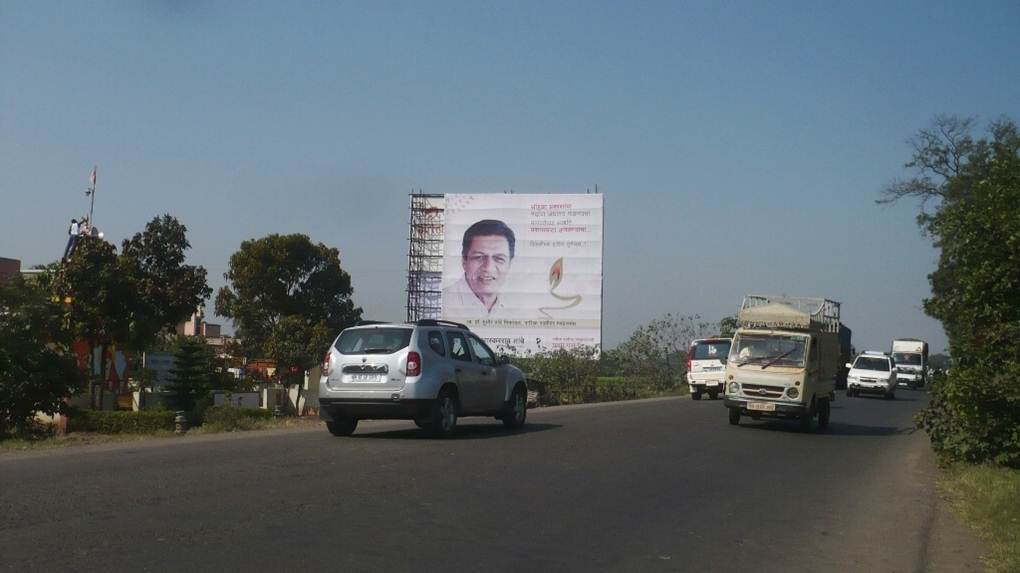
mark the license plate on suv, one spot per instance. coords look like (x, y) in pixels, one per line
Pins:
(365, 378)
(761, 406)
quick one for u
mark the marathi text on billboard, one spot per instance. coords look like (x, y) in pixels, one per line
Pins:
(525, 271)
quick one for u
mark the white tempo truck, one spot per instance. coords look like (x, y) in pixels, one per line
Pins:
(911, 357)
(785, 359)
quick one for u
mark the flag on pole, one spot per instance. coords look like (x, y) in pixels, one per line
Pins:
(92, 177)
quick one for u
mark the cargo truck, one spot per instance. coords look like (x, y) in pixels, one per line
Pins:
(786, 358)
(911, 357)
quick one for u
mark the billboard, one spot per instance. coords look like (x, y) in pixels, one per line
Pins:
(525, 271)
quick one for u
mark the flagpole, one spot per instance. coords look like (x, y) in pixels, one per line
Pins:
(92, 206)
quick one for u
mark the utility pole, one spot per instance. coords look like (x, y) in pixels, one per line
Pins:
(92, 193)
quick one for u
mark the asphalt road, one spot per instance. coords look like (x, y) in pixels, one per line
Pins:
(658, 485)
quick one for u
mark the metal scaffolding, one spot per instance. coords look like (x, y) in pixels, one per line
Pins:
(425, 257)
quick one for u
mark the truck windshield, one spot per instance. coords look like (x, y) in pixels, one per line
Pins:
(768, 350)
(907, 358)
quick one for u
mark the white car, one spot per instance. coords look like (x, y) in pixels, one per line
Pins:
(872, 373)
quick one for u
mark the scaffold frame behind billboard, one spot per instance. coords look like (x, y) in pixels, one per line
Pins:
(425, 257)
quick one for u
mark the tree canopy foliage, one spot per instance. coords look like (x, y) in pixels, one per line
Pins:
(167, 289)
(36, 370)
(974, 186)
(134, 297)
(288, 298)
(191, 376)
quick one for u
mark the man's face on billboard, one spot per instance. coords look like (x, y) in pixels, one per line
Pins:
(486, 263)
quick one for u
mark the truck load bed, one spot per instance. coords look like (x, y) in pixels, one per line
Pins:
(768, 311)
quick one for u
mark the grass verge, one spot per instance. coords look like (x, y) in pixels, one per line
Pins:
(988, 498)
(45, 442)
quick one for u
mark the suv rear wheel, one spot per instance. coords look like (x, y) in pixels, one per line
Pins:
(342, 426)
(443, 422)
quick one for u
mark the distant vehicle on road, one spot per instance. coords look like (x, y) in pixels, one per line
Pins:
(431, 371)
(706, 366)
(911, 356)
(785, 359)
(872, 373)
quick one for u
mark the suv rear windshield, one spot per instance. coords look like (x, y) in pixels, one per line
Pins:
(711, 350)
(878, 364)
(373, 340)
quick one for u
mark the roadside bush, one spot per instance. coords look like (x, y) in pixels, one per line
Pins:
(561, 376)
(974, 414)
(576, 377)
(231, 418)
(106, 422)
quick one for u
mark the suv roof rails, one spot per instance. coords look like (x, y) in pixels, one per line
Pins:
(368, 322)
(434, 322)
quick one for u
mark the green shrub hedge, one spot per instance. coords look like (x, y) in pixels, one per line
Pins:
(108, 422)
(230, 418)
(974, 414)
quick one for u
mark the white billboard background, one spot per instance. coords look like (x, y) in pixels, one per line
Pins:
(552, 294)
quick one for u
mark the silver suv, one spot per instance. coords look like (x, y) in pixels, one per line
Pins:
(431, 371)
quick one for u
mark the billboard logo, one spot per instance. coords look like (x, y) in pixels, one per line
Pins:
(555, 278)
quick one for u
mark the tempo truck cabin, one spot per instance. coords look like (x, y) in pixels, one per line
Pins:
(784, 360)
(911, 356)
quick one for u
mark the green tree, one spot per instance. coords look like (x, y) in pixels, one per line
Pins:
(659, 348)
(974, 187)
(37, 371)
(168, 290)
(288, 298)
(191, 376)
(728, 326)
(98, 296)
(132, 298)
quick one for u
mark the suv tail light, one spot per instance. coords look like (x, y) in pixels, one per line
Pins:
(413, 364)
(690, 357)
(325, 364)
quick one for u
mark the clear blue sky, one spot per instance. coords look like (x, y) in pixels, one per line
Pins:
(740, 146)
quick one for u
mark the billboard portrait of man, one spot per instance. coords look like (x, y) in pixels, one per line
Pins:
(487, 254)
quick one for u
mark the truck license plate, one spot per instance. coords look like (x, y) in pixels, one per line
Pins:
(363, 378)
(711, 383)
(761, 406)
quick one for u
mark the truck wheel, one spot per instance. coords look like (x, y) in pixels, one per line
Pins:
(849, 393)
(823, 416)
(912, 385)
(734, 416)
(696, 395)
(342, 426)
(713, 394)
(805, 420)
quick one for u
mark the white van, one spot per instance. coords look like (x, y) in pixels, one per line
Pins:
(706, 366)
